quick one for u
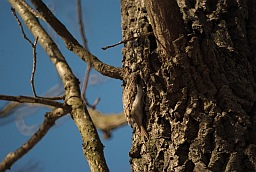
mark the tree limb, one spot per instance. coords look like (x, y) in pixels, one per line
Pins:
(93, 148)
(107, 122)
(49, 121)
(27, 99)
(73, 45)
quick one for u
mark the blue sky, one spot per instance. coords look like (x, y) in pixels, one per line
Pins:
(61, 148)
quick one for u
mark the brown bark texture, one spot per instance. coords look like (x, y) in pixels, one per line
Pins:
(198, 76)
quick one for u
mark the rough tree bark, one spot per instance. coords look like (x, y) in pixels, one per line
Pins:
(198, 72)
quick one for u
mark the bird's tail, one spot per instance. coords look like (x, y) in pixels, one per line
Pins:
(143, 133)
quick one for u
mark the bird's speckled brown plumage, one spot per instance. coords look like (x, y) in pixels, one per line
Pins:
(133, 102)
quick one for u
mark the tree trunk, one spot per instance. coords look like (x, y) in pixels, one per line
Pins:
(198, 77)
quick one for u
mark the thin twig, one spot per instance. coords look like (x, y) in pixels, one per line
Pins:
(53, 98)
(96, 103)
(21, 27)
(81, 24)
(126, 40)
(34, 67)
(33, 45)
(85, 45)
(27, 99)
(86, 79)
(10, 107)
(49, 121)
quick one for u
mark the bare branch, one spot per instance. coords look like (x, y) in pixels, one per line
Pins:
(53, 98)
(33, 45)
(12, 106)
(73, 45)
(126, 40)
(34, 68)
(26, 99)
(49, 121)
(79, 113)
(86, 79)
(95, 103)
(107, 122)
(81, 24)
(21, 27)
(88, 67)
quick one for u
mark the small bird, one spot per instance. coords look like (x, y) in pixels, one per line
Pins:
(133, 102)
